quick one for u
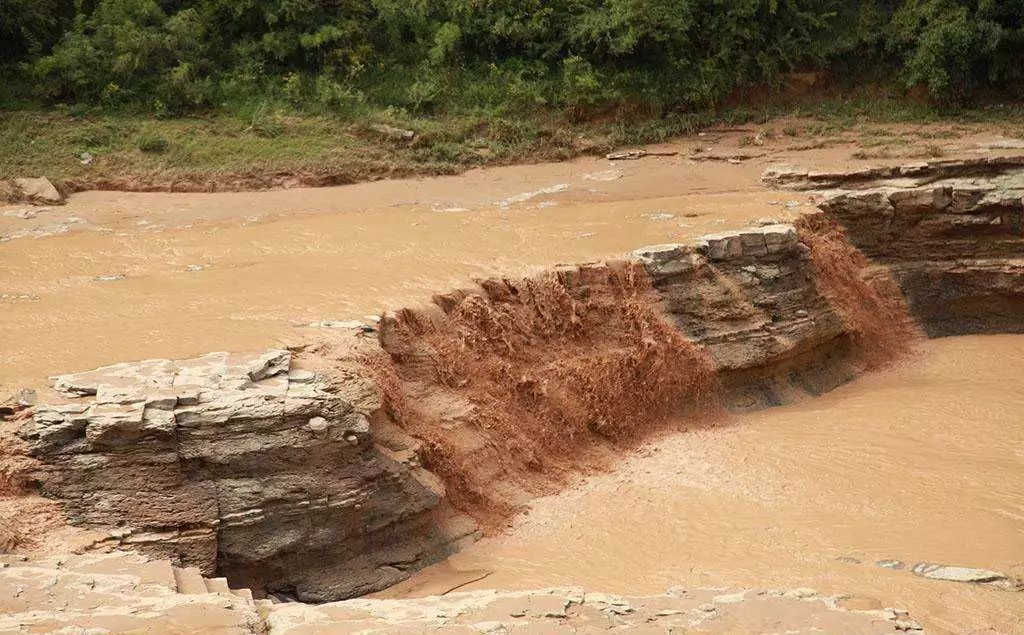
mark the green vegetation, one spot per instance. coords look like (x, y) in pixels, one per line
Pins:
(582, 57)
(137, 151)
(171, 89)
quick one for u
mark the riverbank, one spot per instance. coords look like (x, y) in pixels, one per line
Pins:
(269, 148)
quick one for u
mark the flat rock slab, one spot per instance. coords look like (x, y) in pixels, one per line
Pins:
(110, 593)
(952, 573)
(573, 610)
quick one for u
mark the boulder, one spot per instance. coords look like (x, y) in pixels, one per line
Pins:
(39, 190)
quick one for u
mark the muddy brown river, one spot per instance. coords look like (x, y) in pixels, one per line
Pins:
(920, 463)
(115, 276)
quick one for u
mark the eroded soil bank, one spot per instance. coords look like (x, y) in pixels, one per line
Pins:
(817, 494)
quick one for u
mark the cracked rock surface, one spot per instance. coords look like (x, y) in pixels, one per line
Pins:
(241, 464)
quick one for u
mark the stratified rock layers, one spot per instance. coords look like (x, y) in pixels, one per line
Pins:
(337, 469)
(952, 237)
(241, 464)
(311, 485)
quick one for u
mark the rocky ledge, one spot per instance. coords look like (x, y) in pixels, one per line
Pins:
(952, 238)
(126, 593)
(335, 470)
(241, 464)
(338, 468)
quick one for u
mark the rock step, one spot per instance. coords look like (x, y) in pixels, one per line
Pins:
(190, 581)
(245, 594)
(218, 585)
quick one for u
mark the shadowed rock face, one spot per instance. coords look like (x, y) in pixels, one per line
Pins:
(953, 240)
(239, 464)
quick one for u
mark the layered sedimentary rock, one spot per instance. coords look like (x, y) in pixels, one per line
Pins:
(777, 310)
(244, 465)
(907, 175)
(952, 236)
(323, 485)
(312, 484)
(116, 593)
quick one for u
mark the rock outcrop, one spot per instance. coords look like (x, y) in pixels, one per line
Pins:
(952, 238)
(336, 469)
(777, 310)
(240, 464)
(121, 592)
(908, 175)
(329, 484)
(116, 593)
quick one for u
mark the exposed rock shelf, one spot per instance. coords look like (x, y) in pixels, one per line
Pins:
(242, 464)
(309, 484)
(338, 468)
(124, 592)
(953, 241)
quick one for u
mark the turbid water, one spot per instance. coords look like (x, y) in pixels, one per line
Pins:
(920, 463)
(200, 275)
(116, 276)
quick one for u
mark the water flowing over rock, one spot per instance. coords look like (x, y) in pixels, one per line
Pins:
(338, 468)
(328, 484)
(952, 236)
(769, 305)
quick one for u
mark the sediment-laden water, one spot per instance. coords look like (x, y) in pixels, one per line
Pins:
(919, 463)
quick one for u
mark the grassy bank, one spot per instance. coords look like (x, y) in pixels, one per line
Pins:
(269, 148)
(244, 152)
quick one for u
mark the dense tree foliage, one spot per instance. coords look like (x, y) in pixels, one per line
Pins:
(169, 56)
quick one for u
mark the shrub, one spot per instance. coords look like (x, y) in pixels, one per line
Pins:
(583, 56)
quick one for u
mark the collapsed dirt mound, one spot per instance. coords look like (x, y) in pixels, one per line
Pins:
(872, 307)
(510, 384)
